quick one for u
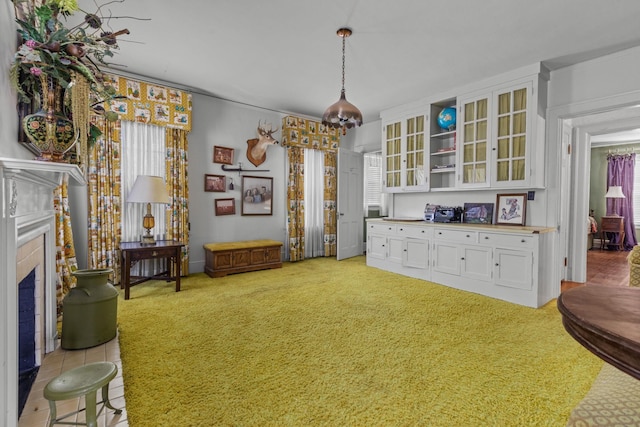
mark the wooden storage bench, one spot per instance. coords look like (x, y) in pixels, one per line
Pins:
(237, 257)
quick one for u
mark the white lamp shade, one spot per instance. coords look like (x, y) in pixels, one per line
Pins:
(149, 189)
(614, 192)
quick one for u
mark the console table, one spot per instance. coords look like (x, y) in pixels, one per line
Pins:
(136, 251)
(605, 320)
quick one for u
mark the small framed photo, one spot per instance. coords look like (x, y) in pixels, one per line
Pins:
(216, 183)
(225, 206)
(511, 209)
(257, 195)
(478, 213)
(222, 155)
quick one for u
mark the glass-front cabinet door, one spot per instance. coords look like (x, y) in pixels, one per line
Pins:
(511, 127)
(415, 152)
(475, 141)
(392, 156)
(404, 152)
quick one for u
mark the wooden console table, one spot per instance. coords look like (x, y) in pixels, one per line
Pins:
(238, 257)
(605, 320)
(135, 251)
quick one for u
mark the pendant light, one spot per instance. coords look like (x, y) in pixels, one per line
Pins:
(342, 114)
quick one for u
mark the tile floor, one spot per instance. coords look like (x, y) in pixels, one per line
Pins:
(36, 410)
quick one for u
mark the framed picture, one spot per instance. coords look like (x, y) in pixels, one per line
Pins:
(223, 155)
(257, 195)
(478, 213)
(217, 183)
(511, 209)
(225, 206)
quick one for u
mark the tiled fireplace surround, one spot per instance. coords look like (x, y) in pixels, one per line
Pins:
(27, 230)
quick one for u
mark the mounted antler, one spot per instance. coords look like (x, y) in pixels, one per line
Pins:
(257, 147)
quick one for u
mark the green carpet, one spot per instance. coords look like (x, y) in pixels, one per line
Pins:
(322, 342)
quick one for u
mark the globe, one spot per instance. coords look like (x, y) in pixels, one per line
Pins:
(447, 118)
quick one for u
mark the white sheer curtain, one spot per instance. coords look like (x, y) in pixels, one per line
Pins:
(143, 153)
(313, 203)
(374, 197)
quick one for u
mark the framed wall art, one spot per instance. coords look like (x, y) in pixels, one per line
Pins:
(225, 207)
(222, 155)
(478, 213)
(257, 195)
(511, 209)
(216, 183)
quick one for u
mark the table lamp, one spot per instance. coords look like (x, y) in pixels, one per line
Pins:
(148, 189)
(615, 192)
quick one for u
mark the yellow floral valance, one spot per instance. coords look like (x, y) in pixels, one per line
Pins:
(298, 132)
(150, 103)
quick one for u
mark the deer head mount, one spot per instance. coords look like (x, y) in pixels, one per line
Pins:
(257, 147)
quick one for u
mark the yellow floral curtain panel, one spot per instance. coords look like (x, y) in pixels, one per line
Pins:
(298, 133)
(177, 214)
(103, 176)
(65, 251)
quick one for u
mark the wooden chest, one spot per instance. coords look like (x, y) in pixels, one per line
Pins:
(238, 257)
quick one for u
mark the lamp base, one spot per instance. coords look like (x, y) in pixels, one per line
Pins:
(147, 240)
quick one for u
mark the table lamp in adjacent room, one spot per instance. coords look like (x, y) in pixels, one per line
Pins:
(148, 189)
(615, 192)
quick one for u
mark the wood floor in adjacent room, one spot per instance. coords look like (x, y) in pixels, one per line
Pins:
(604, 268)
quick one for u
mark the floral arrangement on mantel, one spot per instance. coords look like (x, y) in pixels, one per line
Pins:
(52, 53)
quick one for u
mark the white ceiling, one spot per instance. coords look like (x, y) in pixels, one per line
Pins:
(285, 55)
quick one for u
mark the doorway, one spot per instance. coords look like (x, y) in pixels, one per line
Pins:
(583, 128)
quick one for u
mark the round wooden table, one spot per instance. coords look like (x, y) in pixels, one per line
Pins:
(606, 320)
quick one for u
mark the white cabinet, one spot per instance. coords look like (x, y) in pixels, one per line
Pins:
(399, 248)
(404, 153)
(509, 263)
(513, 268)
(498, 141)
(456, 252)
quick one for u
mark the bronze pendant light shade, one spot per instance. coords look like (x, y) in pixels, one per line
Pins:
(342, 114)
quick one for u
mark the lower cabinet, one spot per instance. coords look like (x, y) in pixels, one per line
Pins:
(399, 248)
(514, 266)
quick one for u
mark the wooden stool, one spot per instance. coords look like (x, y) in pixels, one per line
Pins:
(82, 381)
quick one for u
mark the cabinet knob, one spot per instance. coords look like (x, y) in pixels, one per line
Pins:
(523, 241)
(486, 237)
(402, 229)
(462, 258)
(468, 235)
(440, 232)
(405, 250)
(422, 231)
(154, 253)
(497, 264)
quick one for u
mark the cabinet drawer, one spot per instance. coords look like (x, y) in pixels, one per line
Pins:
(463, 236)
(507, 240)
(416, 232)
(381, 228)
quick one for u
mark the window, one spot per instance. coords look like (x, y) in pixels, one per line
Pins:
(372, 182)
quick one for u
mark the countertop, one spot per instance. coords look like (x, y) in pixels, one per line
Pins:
(484, 227)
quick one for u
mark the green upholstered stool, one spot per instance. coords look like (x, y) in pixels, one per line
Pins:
(82, 381)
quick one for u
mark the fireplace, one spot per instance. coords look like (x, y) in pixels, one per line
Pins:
(27, 248)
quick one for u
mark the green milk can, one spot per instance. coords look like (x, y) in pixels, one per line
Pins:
(89, 311)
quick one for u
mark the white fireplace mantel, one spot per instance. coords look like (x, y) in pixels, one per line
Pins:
(26, 212)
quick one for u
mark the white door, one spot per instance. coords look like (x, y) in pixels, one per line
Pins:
(350, 204)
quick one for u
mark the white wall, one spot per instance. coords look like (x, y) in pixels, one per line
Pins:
(8, 116)
(227, 124)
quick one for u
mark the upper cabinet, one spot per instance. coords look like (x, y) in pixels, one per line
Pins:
(497, 140)
(404, 153)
